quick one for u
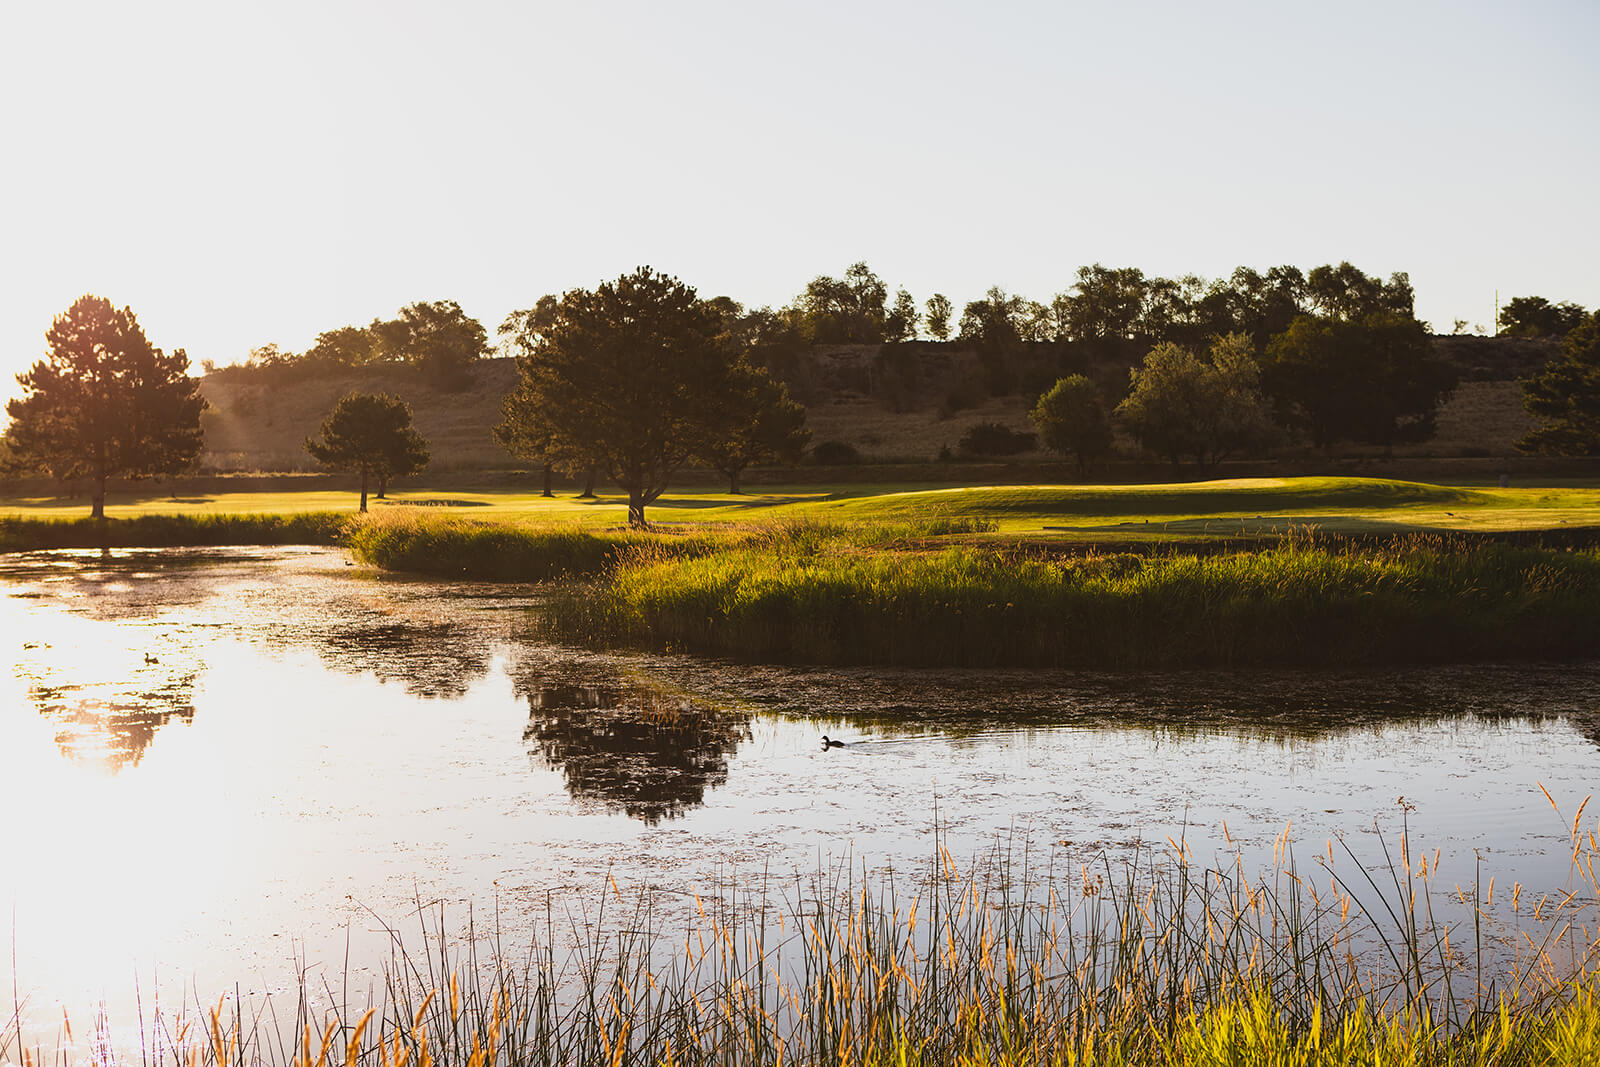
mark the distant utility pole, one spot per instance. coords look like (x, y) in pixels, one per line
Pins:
(1496, 326)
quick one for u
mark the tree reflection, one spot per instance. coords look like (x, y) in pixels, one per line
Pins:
(634, 749)
(430, 659)
(112, 724)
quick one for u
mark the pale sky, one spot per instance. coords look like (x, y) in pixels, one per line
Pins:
(244, 173)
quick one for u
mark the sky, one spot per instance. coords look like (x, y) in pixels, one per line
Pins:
(243, 173)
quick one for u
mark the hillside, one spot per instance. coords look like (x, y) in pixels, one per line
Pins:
(894, 404)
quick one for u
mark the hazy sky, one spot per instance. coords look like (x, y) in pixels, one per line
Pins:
(241, 173)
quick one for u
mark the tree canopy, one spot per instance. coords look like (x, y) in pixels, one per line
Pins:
(371, 435)
(1566, 396)
(1534, 316)
(760, 423)
(1180, 404)
(1072, 419)
(437, 337)
(1373, 380)
(630, 378)
(105, 402)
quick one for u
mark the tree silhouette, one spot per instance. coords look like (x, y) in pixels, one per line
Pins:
(1373, 379)
(1566, 395)
(1072, 419)
(105, 402)
(628, 379)
(760, 423)
(1180, 404)
(371, 435)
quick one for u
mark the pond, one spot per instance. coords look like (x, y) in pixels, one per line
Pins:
(227, 769)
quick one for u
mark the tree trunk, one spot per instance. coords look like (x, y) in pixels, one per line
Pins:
(636, 509)
(363, 491)
(547, 491)
(383, 486)
(733, 482)
(97, 492)
(588, 491)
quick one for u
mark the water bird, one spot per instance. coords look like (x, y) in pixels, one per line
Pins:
(831, 744)
(149, 659)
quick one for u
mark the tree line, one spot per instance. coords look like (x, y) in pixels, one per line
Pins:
(639, 376)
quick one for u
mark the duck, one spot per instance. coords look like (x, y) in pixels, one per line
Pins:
(831, 744)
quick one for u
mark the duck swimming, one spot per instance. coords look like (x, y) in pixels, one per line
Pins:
(831, 744)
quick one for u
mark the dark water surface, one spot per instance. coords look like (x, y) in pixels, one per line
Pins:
(229, 767)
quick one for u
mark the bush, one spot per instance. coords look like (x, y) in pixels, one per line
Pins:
(835, 454)
(993, 439)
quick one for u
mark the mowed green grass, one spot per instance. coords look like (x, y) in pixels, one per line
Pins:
(1176, 511)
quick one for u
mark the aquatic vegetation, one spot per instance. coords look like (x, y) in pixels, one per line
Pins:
(1017, 959)
(814, 593)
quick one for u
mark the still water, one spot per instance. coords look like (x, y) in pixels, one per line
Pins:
(226, 769)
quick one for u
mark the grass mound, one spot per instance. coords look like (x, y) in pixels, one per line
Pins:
(1253, 495)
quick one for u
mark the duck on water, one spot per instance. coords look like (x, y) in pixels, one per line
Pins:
(831, 744)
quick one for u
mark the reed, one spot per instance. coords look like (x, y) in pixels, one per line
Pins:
(811, 593)
(1017, 959)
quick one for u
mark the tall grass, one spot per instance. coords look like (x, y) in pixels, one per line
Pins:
(486, 551)
(1151, 961)
(809, 593)
(18, 534)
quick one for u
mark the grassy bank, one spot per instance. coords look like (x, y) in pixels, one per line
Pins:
(808, 593)
(24, 533)
(1017, 960)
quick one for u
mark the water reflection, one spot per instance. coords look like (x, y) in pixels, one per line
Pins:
(427, 658)
(649, 754)
(104, 710)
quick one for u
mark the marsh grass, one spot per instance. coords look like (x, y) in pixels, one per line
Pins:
(19, 533)
(835, 593)
(1017, 959)
(422, 543)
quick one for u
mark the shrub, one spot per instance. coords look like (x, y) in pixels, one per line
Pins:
(835, 454)
(993, 439)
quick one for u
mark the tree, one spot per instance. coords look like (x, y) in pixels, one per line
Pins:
(629, 378)
(1566, 395)
(848, 310)
(1072, 419)
(1348, 294)
(372, 435)
(1107, 304)
(996, 321)
(760, 423)
(1373, 380)
(105, 402)
(939, 311)
(1534, 316)
(437, 337)
(901, 323)
(1181, 405)
(347, 346)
